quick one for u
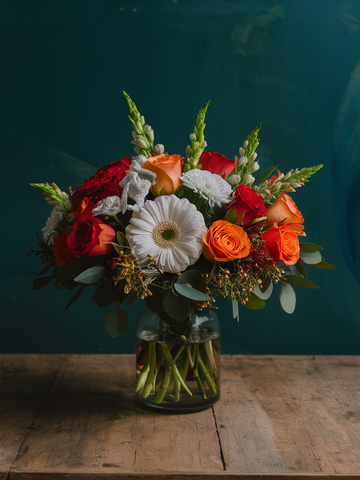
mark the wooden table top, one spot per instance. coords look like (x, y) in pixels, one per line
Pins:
(76, 417)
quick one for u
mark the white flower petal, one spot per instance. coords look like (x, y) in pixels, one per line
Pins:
(170, 213)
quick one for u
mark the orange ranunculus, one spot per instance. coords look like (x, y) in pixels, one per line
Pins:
(168, 169)
(61, 250)
(282, 243)
(285, 211)
(225, 241)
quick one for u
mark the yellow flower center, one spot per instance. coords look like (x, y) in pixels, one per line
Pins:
(166, 234)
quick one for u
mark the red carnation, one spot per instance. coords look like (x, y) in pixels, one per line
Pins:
(90, 236)
(104, 183)
(248, 204)
(216, 163)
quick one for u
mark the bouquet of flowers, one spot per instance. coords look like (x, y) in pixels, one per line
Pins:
(177, 232)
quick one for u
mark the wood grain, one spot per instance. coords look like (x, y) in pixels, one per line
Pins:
(75, 417)
(294, 415)
(24, 382)
(92, 423)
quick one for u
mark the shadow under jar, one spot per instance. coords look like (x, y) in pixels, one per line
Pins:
(178, 372)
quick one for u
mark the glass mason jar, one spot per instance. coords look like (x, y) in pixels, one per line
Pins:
(178, 372)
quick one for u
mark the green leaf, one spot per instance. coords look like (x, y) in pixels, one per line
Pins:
(193, 278)
(116, 322)
(91, 275)
(254, 302)
(309, 247)
(310, 258)
(266, 174)
(231, 215)
(154, 301)
(189, 292)
(287, 298)
(301, 269)
(42, 282)
(176, 306)
(299, 281)
(323, 265)
(76, 296)
(122, 240)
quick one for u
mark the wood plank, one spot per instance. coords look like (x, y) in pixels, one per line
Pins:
(24, 381)
(91, 425)
(296, 415)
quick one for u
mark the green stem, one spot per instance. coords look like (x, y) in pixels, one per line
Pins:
(168, 358)
(142, 376)
(196, 373)
(149, 384)
(209, 351)
(163, 385)
(206, 375)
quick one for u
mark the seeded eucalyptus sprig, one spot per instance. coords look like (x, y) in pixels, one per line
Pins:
(198, 143)
(143, 134)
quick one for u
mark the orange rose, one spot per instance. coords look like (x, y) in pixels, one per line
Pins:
(285, 211)
(282, 243)
(225, 241)
(168, 169)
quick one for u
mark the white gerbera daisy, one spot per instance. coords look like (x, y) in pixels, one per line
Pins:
(170, 229)
(209, 185)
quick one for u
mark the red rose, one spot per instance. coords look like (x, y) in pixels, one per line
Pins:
(90, 236)
(282, 243)
(105, 183)
(248, 205)
(216, 163)
(61, 250)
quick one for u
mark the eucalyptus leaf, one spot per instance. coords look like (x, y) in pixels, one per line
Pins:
(301, 269)
(254, 302)
(91, 275)
(194, 279)
(266, 294)
(106, 293)
(191, 293)
(311, 258)
(131, 298)
(116, 322)
(299, 281)
(323, 265)
(287, 298)
(177, 306)
(309, 247)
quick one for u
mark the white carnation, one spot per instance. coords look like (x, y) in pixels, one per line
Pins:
(210, 186)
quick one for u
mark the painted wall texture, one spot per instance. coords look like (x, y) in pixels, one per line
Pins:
(292, 65)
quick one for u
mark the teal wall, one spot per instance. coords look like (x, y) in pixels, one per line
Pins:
(293, 65)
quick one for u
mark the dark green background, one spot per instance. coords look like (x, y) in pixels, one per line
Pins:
(291, 65)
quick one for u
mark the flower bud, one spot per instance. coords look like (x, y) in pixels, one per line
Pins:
(134, 134)
(242, 151)
(142, 120)
(254, 167)
(242, 160)
(196, 145)
(151, 135)
(159, 149)
(246, 143)
(140, 142)
(234, 179)
(253, 156)
(137, 150)
(189, 151)
(192, 136)
(249, 180)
